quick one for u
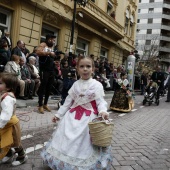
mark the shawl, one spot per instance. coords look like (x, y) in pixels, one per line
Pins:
(84, 91)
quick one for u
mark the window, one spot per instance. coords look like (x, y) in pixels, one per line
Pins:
(139, 1)
(148, 42)
(109, 7)
(48, 30)
(151, 0)
(82, 47)
(151, 10)
(149, 31)
(5, 21)
(150, 20)
(103, 53)
(3, 18)
(131, 25)
(138, 20)
(139, 10)
(127, 21)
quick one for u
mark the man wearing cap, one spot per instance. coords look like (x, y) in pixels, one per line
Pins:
(47, 67)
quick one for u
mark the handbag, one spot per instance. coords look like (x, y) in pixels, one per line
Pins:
(101, 131)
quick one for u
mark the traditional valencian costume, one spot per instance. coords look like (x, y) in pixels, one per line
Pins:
(10, 133)
(122, 101)
(71, 147)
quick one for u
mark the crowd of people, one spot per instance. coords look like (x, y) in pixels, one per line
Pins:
(34, 69)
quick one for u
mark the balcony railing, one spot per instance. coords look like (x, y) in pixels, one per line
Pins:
(102, 16)
(166, 2)
(164, 49)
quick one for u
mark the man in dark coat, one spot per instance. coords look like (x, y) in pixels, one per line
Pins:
(18, 49)
(168, 86)
(7, 38)
(158, 77)
(4, 57)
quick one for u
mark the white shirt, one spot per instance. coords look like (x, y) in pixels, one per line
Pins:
(9, 41)
(35, 70)
(7, 106)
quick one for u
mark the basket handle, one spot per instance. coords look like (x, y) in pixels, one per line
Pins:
(101, 118)
(108, 121)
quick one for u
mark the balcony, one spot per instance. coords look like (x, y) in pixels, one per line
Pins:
(165, 38)
(164, 49)
(149, 15)
(166, 16)
(92, 14)
(149, 26)
(166, 4)
(165, 27)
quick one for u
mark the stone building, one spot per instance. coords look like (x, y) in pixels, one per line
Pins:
(105, 28)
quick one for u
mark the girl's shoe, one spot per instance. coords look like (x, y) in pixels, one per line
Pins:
(8, 157)
(19, 161)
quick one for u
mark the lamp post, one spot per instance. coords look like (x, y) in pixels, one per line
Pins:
(80, 3)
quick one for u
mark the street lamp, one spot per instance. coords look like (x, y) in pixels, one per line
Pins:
(80, 3)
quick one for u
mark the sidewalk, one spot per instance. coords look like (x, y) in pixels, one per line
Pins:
(31, 119)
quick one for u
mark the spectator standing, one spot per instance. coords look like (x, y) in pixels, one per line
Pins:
(143, 82)
(168, 86)
(58, 82)
(4, 56)
(46, 66)
(158, 77)
(64, 59)
(9, 42)
(25, 51)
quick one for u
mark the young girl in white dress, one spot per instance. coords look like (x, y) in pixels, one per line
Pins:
(71, 147)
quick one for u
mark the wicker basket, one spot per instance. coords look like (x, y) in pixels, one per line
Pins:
(101, 132)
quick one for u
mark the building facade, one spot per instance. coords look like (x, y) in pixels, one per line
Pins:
(153, 31)
(104, 28)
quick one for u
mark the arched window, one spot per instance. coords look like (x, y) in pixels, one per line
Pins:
(127, 21)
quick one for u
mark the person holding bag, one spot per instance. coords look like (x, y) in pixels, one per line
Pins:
(71, 146)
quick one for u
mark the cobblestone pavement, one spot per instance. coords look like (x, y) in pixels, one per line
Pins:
(141, 138)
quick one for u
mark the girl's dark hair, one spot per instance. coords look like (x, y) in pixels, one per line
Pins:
(122, 74)
(10, 80)
(84, 57)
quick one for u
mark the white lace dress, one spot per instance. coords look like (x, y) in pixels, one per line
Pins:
(70, 147)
